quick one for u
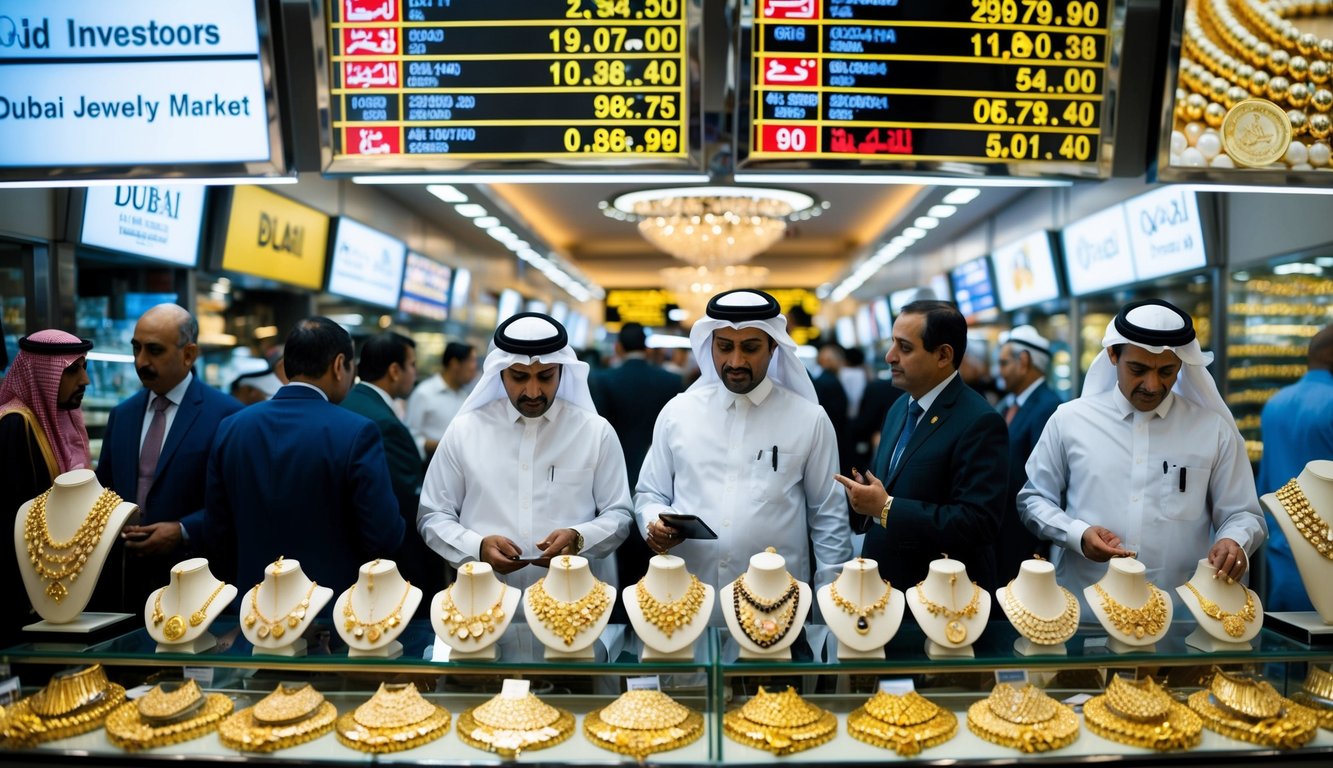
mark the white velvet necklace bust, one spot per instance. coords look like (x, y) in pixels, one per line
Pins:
(1316, 482)
(1126, 583)
(568, 580)
(766, 579)
(472, 630)
(380, 603)
(667, 581)
(192, 593)
(277, 602)
(1036, 593)
(859, 585)
(952, 631)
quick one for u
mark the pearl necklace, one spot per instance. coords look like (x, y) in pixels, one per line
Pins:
(58, 560)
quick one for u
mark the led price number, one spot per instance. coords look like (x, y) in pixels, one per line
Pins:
(619, 9)
(614, 40)
(1071, 80)
(648, 106)
(1037, 45)
(1035, 146)
(788, 138)
(1076, 13)
(621, 141)
(613, 72)
(1081, 114)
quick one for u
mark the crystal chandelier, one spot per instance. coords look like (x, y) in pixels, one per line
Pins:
(694, 286)
(713, 226)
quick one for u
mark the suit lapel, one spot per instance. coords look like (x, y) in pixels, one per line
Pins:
(376, 402)
(186, 414)
(931, 422)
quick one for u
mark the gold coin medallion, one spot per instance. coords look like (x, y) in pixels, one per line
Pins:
(174, 628)
(1256, 133)
(955, 632)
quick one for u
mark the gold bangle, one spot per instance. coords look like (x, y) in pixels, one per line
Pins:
(884, 513)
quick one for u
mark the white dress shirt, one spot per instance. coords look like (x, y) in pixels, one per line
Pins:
(1120, 468)
(712, 456)
(498, 472)
(431, 406)
(174, 396)
(1020, 399)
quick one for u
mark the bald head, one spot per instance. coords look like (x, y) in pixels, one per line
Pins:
(1321, 350)
(165, 346)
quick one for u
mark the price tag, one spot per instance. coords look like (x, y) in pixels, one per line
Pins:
(9, 690)
(897, 686)
(1078, 700)
(649, 683)
(514, 689)
(201, 675)
(1015, 677)
(138, 692)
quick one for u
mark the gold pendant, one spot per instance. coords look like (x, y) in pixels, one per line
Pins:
(197, 618)
(262, 632)
(56, 591)
(250, 620)
(1234, 626)
(174, 629)
(373, 634)
(955, 632)
(278, 630)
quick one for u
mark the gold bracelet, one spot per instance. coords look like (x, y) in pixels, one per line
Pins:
(884, 513)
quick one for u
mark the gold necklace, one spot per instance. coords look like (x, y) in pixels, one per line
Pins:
(640, 723)
(372, 631)
(72, 703)
(768, 630)
(1251, 710)
(1312, 527)
(781, 723)
(507, 726)
(175, 626)
(165, 717)
(397, 717)
(671, 616)
(567, 620)
(469, 627)
(1147, 619)
(1141, 714)
(269, 626)
(1041, 630)
(955, 631)
(1027, 719)
(861, 612)
(284, 718)
(1232, 623)
(906, 724)
(58, 560)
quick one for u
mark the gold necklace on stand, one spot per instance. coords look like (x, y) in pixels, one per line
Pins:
(862, 611)
(1232, 623)
(768, 630)
(1147, 619)
(1312, 527)
(175, 626)
(372, 630)
(55, 561)
(1038, 629)
(955, 631)
(469, 627)
(568, 619)
(671, 616)
(275, 627)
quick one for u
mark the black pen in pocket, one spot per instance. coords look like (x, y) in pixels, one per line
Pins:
(775, 458)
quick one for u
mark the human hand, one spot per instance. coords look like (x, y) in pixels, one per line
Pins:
(499, 553)
(865, 492)
(1228, 557)
(152, 539)
(1100, 545)
(662, 536)
(561, 541)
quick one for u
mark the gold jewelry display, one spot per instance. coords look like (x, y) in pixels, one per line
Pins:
(641, 723)
(507, 726)
(165, 717)
(1232, 623)
(55, 561)
(906, 724)
(1317, 694)
(765, 631)
(567, 620)
(1312, 527)
(469, 627)
(275, 627)
(671, 616)
(1146, 620)
(175, 626)
(1142, 714)
(72, 703)
(397, 717)
(861, 612)
(955, 630)
(373, 630)
(781, 723)
(1038, 629)
(284, 718)
(1249, 709)
(1024, 719)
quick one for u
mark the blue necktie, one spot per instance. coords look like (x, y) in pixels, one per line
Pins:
(914, 412)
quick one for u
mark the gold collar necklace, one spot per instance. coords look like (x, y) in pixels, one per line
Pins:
(175, 626)
(55, 561)
(1312, 527)
(373, 630)
(1041, 630)
(767, 631)
(1146, 620)
(1233, 623)
(671, 616)
(955, 631)
(861, 612)
(567, 620)
(274, 627)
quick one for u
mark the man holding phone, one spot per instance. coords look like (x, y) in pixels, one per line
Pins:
(527, 470)
(748, 450)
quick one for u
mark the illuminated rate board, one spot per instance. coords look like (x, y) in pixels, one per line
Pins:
(986, 81)
(416, 81)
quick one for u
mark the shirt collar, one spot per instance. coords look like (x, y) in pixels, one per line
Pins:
(930, 397)
(177, 393)
(385, 396)
(307, 384)
(1127, 408)
(1025, 394)
(756, 396)
(551, 414)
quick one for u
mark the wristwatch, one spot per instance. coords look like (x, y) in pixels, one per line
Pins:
(884, 513)
(578, 540)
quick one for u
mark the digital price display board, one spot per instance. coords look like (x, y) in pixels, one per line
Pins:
(923, 82)
(429, 84)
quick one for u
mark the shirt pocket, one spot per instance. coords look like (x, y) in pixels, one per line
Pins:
(1183, 489)
(571, 487)
(769, 483)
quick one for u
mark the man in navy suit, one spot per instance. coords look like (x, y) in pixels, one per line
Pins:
(943, 458)
(1024, 358)
(300, 477)
(155, 450)
(388, 370)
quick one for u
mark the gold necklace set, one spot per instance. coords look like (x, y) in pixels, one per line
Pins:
(469, 627)
(765, 630)
(372, 630)
(174, 629)
(508, 726)
(276, 627)
(568, 619)
(1316, 532)
(641, 723)
(166, 716)
(56, 561)
(71, 703)
(397, 717)
(1039, 629)
(288, 716)
(781, 723)
(1144, 621)
(861, 612)
(906, 724)
(1249, 709)
(1025, 719)
(955, 631)
(1317, 694)
(669, 616)
(1142, 714)
(1232, 623)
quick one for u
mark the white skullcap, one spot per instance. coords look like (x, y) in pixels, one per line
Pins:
(750, 308)
(1026, 338)
(525, 339)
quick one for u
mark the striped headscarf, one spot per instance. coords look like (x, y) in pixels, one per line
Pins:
(33, 385)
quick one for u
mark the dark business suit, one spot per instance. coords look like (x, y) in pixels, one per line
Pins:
(1017, 543)
(948, 488)
(177, 492)
(629, 397)
(300, 477)
(415, 561)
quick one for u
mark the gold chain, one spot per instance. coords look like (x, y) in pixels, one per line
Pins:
(1148, 619)
(58, 560)
(269, 626)
(767, 630)
(1312, 527)
(861, 612)
(175, 626)
(955, 631)
(469, 627)
(1232, 623)
(372, 631)
(567, 620)
(671, 616)
(1038, 629)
